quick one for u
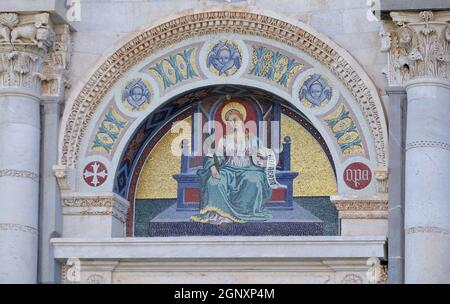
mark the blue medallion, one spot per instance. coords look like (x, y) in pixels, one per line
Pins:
(315, 90)
(224, 56)
(136, 94)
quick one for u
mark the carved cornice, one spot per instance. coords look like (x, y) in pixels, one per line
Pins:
(174, 31)
(361, 208)
(417, 46)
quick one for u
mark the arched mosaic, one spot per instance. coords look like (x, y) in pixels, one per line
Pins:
(224, 67)
(299, 36)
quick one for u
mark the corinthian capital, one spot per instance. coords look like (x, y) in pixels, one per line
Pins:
(24, 42)
(418, 45)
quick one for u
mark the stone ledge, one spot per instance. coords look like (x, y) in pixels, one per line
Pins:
(413, 5)
(57, 9)
(337, 247)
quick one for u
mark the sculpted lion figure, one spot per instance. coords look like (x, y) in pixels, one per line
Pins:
(29, 32)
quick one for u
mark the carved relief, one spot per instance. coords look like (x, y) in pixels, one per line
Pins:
(20, 69)
(88, 206)
(428, 144)
(57, 63)
(24, 41)
(7, 22)
(17, 227)
(418, 47)
(370, 208)
(427, 229)
(19, 173)
(95, 279)
(62, 176)
(352, 278)
(382, 180)
(26, 30)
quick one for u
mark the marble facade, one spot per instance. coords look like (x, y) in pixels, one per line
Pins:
(69, 117)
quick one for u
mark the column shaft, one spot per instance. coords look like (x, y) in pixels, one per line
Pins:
(50, 219)
(19, 187)
(427, 197)
(397, 128)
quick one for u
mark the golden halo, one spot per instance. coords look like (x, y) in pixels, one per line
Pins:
(234, 106)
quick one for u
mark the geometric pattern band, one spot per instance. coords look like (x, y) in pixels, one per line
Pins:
(19, 173)
(428, 144)
(17, 227)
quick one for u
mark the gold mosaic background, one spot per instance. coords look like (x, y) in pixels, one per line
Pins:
(156, 179)
(316, 177)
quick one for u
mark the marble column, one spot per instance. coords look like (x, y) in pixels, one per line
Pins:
(427, 192)
(24, 42)
(421, 58)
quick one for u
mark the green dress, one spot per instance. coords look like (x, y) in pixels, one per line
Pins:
(238, 196)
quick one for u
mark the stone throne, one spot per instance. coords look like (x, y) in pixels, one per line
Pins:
(188, 182)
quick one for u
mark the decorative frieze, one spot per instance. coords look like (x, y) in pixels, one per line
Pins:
(352, 278)
(417, 46)
(360, 208)
(427, 229)
(17, 227)
(111, 205)
(19, 173)
(428, 144)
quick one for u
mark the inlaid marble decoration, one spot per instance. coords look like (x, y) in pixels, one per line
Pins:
(109, 131)
(176, 68)
(224, 58)
(136, 95)
(345, 131)
(357, 176)
(273, 65)
(315, 91)
(95, 174)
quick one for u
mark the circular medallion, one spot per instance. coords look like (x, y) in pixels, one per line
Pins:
(315, 92)
(224, 58)
(95, 174)
(136, 95)
(357, 176)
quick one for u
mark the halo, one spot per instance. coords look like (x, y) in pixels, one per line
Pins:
(234, 106)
